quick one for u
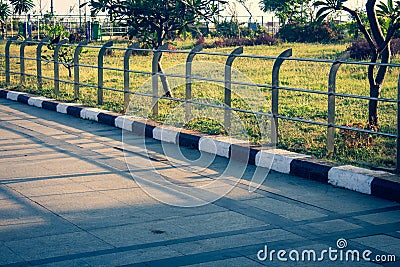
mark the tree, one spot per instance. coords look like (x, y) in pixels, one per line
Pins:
(22, 6)
(57, 32)
(246, 6)
(154, 21)
(290, 11)
(4, 13)
(383, 23)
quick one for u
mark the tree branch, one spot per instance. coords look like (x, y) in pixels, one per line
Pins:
(380, 76)
(374, 23)
(361, 26)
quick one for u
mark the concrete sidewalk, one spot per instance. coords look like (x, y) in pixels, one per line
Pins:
(68, 199)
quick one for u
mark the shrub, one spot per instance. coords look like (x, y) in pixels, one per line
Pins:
(353, 139)
(310, 33)
(262, 39)
(290, 33)
(227, 29)
(361, 50)
(200, 40)
(266, 39)
(395, 46)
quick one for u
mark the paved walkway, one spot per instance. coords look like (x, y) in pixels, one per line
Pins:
(68, 199)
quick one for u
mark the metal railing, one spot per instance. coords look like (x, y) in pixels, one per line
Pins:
(227, 108)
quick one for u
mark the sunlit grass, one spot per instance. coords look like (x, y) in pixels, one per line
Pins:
(298, 137)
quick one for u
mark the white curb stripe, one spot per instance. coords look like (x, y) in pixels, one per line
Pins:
(62, 107)
(218, 145)
(165, 135)
(90, 114)
(14, 95)
(37, 101)
(353, 178)
(124, 122)
(277, 159)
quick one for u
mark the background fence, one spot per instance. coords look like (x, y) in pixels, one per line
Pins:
(32, 25)
(31, 67)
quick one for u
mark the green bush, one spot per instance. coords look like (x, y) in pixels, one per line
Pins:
(310, 33)
(361, 50)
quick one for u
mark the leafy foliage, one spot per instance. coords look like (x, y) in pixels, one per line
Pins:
(58, 32)
(154, 21)
(353, 139)
(22, 6)
(381, 27)
(4, 11)
(228, 29)
(309, 33)
(361, 50)
(290, 11)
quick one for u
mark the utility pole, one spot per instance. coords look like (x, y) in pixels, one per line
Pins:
(80, 14)
(52, 7)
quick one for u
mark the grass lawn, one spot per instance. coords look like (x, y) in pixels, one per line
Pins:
(360, 150)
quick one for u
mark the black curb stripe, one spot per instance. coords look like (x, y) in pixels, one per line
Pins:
(23, 99)
(3, 93)
(149, 130)
(74, 111)
(311, 169)
(107, 119)
(49, 105)
(385, 189)
(143, 129)
(188, 140)
(243, 153)
(139, 128)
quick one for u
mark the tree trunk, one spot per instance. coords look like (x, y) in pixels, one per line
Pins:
(69, 72)
(164, 80)
(374, 91)
(376, 84)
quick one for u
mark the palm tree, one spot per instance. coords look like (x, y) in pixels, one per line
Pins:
(383, 23)
(4, 13)
(22, 6)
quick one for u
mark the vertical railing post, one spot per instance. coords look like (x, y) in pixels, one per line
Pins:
(22, 60)
(228, 86)
(7, 63)
(39, 62)
(398, 129)
(100, 77)
(154, 79)
(275, 93)
(127, 55)
(330, 142)
(77, 53)
(57, 66)
(189, 60)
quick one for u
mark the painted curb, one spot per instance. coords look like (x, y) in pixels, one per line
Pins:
(377, 183)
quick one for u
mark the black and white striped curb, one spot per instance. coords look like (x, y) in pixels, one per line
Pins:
(377, 183)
